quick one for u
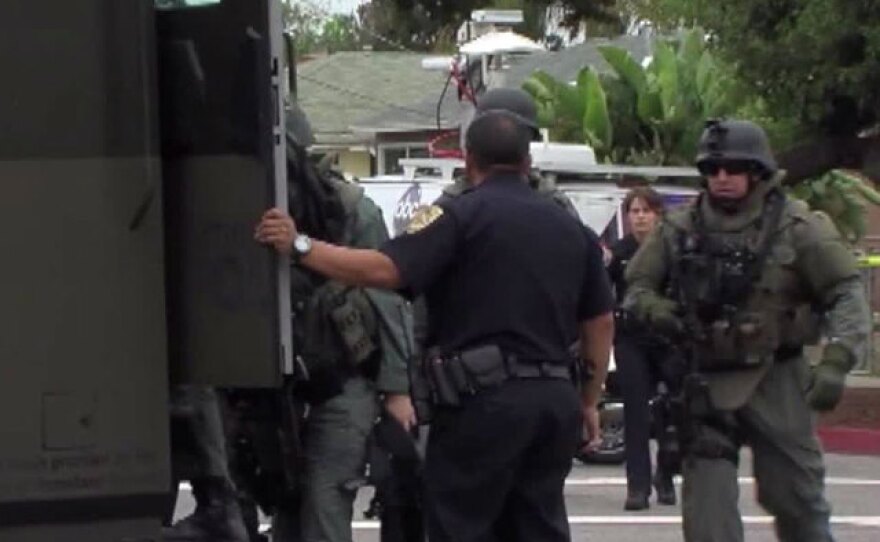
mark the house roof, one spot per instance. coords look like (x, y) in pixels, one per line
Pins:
(417, 116)
(340, 90)
(563, 64)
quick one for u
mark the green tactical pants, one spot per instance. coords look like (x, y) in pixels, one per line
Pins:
(336, 435)
(788, 468)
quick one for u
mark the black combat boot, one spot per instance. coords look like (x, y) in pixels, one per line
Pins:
(217, 517)
(665, 488)
(636, 499)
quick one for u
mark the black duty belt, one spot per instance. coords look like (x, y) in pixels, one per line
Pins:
(449, 379)
(536, 369)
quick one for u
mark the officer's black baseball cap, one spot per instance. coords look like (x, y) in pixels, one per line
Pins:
(514, 102)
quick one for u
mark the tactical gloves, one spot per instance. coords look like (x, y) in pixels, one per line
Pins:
(829, 377)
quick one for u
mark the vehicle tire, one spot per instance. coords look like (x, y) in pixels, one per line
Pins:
(612, 449)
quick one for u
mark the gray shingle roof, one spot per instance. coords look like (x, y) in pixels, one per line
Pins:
(563, 64)
(420, 115)
(342, 89)
(347, 95)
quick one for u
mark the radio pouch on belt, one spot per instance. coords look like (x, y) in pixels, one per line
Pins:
(485, 365)
(451, 378)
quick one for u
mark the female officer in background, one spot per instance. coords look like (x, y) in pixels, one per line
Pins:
(635, 353)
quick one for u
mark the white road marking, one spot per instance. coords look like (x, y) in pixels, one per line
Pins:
(863, 521)
(638, 519)
(621, 481)
(860, 521)
(745, 480)
(835, 481)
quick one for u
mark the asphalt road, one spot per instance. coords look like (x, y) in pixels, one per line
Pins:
(595, 497)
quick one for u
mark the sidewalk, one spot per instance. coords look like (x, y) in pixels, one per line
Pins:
(854, 426)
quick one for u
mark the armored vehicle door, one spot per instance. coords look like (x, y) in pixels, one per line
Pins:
(223, 166)
(83, 372)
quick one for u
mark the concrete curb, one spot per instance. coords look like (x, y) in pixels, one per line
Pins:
(854, 426)
(850, 440)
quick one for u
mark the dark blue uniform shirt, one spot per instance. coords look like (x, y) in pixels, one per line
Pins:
(503, 265)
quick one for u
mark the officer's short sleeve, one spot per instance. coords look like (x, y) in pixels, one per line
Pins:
(595, 297)
(422, 256)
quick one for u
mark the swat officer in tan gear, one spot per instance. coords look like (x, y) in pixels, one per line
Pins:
(745, 278)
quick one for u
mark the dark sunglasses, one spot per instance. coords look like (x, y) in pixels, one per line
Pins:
(732, 167)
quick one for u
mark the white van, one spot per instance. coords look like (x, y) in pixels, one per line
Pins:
(595, 189)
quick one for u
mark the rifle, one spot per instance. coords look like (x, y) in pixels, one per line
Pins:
(681, 406)
(394, 465)
(684, 398)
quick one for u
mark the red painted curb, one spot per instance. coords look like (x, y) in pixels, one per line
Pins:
(849, 440)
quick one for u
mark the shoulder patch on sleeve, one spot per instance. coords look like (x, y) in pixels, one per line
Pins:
(423, 217)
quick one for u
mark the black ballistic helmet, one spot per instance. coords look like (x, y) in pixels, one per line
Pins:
(513, 101)
(736, 140)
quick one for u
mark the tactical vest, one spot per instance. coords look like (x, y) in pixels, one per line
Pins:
(739, 291)
(334, 326)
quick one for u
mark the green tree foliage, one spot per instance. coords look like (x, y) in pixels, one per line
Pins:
(665, 15)
(815, 63)
(640, 114)
(654, 114)
(341, 33)
(315, 30)
(430, 25)
(303, 23)
(392, 25)
(454, 13)
(844, 197)
(814, 67)
(573, 113)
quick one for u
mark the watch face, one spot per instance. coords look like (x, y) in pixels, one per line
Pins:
(302, 244)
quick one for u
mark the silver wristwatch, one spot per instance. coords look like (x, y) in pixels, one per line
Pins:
(302, 245)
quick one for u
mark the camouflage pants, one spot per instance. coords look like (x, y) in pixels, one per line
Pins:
(779, 427)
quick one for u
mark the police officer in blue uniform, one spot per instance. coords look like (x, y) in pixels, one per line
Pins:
(511, 281)
(638, 354)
